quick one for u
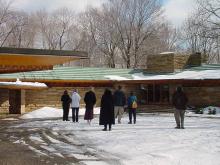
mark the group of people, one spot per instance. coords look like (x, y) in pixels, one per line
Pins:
(74, 101)
(112, 106)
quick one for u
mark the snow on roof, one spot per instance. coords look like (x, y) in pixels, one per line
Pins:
(20, 83)
(113, 77)
(191, 75)
(197, 75)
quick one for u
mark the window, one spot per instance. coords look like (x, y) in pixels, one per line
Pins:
(155, 94)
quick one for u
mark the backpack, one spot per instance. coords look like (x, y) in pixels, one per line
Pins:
(134, 104)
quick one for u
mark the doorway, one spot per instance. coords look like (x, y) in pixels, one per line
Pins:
(15, 101)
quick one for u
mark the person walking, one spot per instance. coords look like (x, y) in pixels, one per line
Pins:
(132, 106)
(107, 117)
(75, 106)
(119, 103)
(66, 100)
(179, 101)
(90, 100)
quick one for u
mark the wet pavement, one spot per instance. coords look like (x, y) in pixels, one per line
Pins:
(40, 145)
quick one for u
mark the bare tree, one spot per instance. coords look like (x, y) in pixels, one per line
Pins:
(103, 33)
(8, 21)
(135, 21)
(55, 27)
(210, 10)
(201, 30)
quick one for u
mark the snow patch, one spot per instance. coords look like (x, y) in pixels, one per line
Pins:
(83, 156)
(37, 151)
(93, 163)
(9, 119)
(48, 112)
(45, 112)
(52, 139)
(206, 110)
(36, 138)
(190, 75)
(167, 53)
(114, 77)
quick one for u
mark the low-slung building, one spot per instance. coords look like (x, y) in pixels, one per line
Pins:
(153, 86)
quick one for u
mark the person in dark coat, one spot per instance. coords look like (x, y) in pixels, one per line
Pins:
(179, 101)
(90, 100)
(66, 100)
(107, 110)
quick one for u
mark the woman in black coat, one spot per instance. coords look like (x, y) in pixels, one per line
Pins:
(107, 110)
(90, 100)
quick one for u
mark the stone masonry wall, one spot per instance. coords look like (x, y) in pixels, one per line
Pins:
(180, 61)
(198, 96)
(183, 61)
(203, 96)
(51, 97)
(170, 62)
(4, 101)
(161, 63)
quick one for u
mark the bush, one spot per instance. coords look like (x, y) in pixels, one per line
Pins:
(199, 111)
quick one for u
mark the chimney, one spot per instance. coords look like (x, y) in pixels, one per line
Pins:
(169, 62)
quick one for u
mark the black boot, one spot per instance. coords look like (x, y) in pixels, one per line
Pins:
(105, 128)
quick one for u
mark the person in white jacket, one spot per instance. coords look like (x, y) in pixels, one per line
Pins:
(75, 105)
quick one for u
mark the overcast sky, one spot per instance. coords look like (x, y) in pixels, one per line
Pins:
(175, 10)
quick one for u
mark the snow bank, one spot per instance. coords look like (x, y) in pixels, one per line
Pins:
(48, 112)
(45, 112)
(206, 110)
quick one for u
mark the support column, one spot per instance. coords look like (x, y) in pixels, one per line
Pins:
(23, 94)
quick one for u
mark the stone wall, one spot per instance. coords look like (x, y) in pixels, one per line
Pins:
(51, 97)
(170, 62)
(203, 96)
(4, 101)
(161, 63)
(198, 96)
(180, 61)
(184, 61)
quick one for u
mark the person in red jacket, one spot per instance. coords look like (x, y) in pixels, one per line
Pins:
(179, 101)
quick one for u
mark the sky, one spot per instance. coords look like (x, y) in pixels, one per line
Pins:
(175, 10)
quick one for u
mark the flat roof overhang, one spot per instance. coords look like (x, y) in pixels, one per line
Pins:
(22, 59)
(110, 83)
(20, 86)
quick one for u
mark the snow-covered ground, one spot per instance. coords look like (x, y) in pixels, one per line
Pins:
(152, 141)
(48, 112)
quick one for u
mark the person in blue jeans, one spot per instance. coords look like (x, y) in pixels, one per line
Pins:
(75, 105)
(132, 106)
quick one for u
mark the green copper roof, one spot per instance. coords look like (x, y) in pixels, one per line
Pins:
(79, 73)
(72, 73)
(205, 67)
